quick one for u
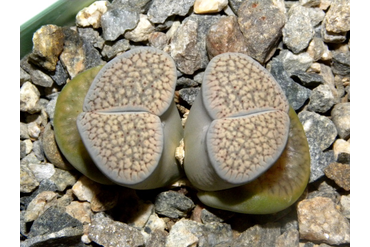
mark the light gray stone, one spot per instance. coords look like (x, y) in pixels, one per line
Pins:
(142, 31)
(320, 220)
(39, 205)
(26, 148)
(189, 94)
(341, 150)
(34, 129)
(29, 97)
(42, 171)
(288, 238)
(321, 99)
(297, 32)
(190, 233)
(24, 76)
(337, 19)
(28, 181)
(345, 205)
(188, 45)
(107, 232)
(293, 62)
(38, 150)
(91, 15)
(23, 131)
(258, 235)
(116, 21)
(160, 10)
(341, 119)
(319, 128)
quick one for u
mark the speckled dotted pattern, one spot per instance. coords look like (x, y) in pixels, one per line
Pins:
(126, 146)
(245, 146)
(140, 79)
(251, 124)
(235, 84)
(121, 126)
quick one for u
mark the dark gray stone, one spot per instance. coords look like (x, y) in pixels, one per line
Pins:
(93, 57)
(160, 10)
(24, 76)
(189, 94)
(296, 94)
(185, 82)
(319, 160)
(309, 80)
(67, 237)
(111, 49)
(341, 63)
(325, 190)
(321, 99)
(214, 215)
(235, 4)
(116, 21)
(173, 204)
(262, 35)
(37, 76)
(320, 128)
(38, 150)
(52, 220)
(89, 35)
(140, 5)
(59, 75)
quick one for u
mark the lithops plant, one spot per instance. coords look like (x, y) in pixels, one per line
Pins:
(245, 148)
(130, 125)
(68, 107)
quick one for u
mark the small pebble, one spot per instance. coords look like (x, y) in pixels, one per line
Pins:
(337, 19)
(110, 50)
(28, 181)
(142, 31)
(341, 63)
(39, 205)
(320, 220)
(80, 211)
(173, 204)
(91, 15)
(321, 99)
(160, 10)
(24, 76)
(37, 76)
(23, 131)
(259, 235)
(309, 80)
(42, 171)
(189, 94)
(85, 189)
(26, 147)
(319, 128)
(341, 119)
(340, 173)
(63, 179)
(29, 97)
(209, 6)
(341, 150)
(288, 238)
(345, 206)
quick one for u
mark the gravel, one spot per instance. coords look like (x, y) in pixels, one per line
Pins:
(305, 46)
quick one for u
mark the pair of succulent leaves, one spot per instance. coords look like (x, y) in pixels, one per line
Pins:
(245, 148)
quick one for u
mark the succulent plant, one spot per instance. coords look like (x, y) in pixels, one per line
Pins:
(68, 107)
(245, 148)
(130, 124)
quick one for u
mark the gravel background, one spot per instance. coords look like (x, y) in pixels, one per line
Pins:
(304, 44)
